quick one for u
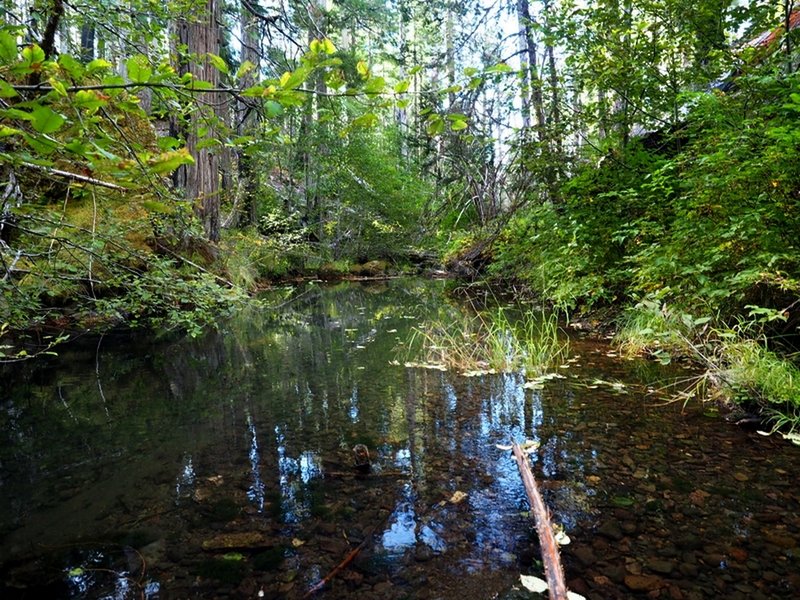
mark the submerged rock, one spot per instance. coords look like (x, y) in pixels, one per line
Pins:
(642, 583)
(229, 541)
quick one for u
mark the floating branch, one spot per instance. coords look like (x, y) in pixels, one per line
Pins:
(550, 555)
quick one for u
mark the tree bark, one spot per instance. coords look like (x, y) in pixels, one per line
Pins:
(246, 118)
(537, 100)
(87, 42)
(201, 180)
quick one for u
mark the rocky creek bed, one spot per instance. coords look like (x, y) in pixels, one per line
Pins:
(221, 467)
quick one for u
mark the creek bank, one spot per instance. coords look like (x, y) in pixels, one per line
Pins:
(703, 354)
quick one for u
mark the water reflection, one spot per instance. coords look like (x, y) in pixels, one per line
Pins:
(227, 464)
(184, 486)
(256, 491)
(406, 529)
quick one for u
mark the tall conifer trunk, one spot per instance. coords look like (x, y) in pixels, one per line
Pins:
(201, 181)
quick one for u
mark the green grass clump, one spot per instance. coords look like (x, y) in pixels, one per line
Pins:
(753, 373)
(473, 343)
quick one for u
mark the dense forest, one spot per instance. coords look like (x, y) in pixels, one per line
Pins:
(637, 160)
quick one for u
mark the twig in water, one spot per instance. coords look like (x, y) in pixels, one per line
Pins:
(550, 555)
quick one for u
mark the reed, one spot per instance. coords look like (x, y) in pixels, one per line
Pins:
(472, 344)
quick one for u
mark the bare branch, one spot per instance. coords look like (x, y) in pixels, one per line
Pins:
(75, 176)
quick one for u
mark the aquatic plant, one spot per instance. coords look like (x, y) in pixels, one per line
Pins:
(752, 373)
(478, 343)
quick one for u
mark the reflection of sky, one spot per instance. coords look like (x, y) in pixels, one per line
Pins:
(94, 577)
(295, 474)
(354, 405)
(256, 491)
(402, 458)
(405, 531)
(503, 412)
(186, 479)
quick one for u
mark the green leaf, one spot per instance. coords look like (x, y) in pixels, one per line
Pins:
(254, 91)
(46, 120)
(15, 113)
(402, 86)
(169, 161)
(235, 556)
(208, 142)
(291, 80)
(157, 207)
(70, 66)
(7, 90)
(458, 125)
(113, 79)
(622, 501)
(218, 62)
(470, 71)
(273, 109)
(329, 62)
(362, 68)
(435, 125)
(366, 121)
(244, 69)
(375, 85)
(168, 143)
(89, 100)
(8, 131)
(58, 87)
(42, 145)
(78, 147)
(98, 64)
(139, 70)
(8, 48)
(499, 68)
(33, 56)
(328, 47)
(290, 98)
(199, 84)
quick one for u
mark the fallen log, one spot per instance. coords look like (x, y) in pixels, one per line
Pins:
(551, 558)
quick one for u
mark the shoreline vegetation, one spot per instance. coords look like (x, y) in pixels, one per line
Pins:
(639, 162)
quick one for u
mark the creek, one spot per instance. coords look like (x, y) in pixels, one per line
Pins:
(221, 467)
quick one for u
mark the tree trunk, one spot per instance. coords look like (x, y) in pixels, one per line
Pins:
(450, 56)
(525, 84)
(246, 118)
(87, 42)
(201, 180)
(537, 100)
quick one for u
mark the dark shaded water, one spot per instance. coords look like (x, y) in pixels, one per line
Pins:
(222, 467)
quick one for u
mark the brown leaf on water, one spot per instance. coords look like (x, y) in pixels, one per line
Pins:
(698, 497)
(458, 497)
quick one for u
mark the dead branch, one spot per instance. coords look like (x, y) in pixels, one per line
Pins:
(75, 176)
(550, 555)
(195, 265)
(347, 560)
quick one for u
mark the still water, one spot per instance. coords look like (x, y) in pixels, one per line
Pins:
(222, 467)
